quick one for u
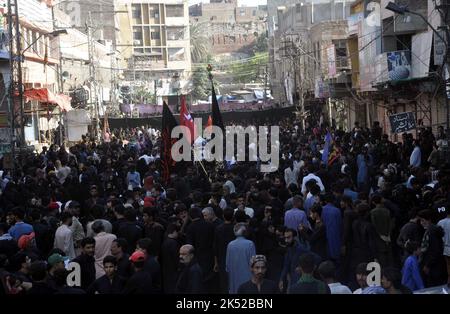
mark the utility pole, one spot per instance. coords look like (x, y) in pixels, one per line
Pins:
(60, 81)
(16, 84)
(443, 9)
(156, 91)
(265, 83)
(93, 83)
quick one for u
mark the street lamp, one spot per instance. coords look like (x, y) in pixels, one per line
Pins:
(400, 9)
(53, 34)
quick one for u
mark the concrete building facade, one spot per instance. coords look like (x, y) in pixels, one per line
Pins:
(100, 15)
(230, 29)
(154, 45)
(308, 47)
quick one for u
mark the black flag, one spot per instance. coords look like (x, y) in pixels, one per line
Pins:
(216, 115)
(168, 123)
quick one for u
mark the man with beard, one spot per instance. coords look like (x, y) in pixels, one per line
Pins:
(258, 285)
(190, 280)
(289, 273)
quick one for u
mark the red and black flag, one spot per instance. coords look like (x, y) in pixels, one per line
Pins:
(187, 120)
(168, 123)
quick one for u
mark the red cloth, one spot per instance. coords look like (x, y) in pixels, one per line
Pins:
(186, 119)
(148, 183)
(25, 240)
(46, 96)
(149, 202)
(209, 125)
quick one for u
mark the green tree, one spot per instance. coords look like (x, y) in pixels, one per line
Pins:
(199, 43)
(142, 95)
(251, 70)
(200, 83)
(262, 44)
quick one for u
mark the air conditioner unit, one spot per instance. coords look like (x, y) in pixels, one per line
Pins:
(137, 42)
(156, 15)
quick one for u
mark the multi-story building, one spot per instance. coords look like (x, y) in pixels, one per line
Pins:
(310, 54)
(399, 63)
(99, 15)
(154, 44)
(230, 29)
(53, 65)
(78, 72)
(39, 66)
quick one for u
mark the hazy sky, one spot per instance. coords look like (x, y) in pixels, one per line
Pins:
(241, 2)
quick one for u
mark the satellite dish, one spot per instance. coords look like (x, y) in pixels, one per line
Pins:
(65, 75)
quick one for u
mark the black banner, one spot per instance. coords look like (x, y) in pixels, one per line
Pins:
(402, 122)
(235, 116)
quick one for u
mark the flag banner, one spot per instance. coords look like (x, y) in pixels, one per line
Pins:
(326, 149)
(216, 115)
(187, 120)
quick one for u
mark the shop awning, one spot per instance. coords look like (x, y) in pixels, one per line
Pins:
(45, 96)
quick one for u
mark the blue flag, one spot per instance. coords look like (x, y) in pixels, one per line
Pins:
(326, 149)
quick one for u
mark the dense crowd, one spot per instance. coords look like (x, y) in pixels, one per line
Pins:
(310, 227)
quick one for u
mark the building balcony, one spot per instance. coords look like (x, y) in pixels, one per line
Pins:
(353, 23)
(178, 43)
(177, 21)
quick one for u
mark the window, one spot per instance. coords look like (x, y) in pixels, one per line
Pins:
(154, 12)
(175, 33)
(254, 13)
(341, 53)
(33, 40)
(242, 12)
(41, 43)
(174, 11)
(156, 35)
(136, 11)
(298, 8)
(137, 36)
(176, 54)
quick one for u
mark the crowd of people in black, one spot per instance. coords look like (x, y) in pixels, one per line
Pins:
(310, 227)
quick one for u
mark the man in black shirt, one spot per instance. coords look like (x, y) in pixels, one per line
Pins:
(141, 281)
(130, 230)
(110, 283)
(153, 229)
(151, 264)
(190, 280)
(38, 272)
(224, 234)
(118, 250)
(86, 261)
(170, 259)
(200, 234)
(258, 285)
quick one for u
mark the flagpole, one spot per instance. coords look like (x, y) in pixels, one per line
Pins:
(206, 173)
